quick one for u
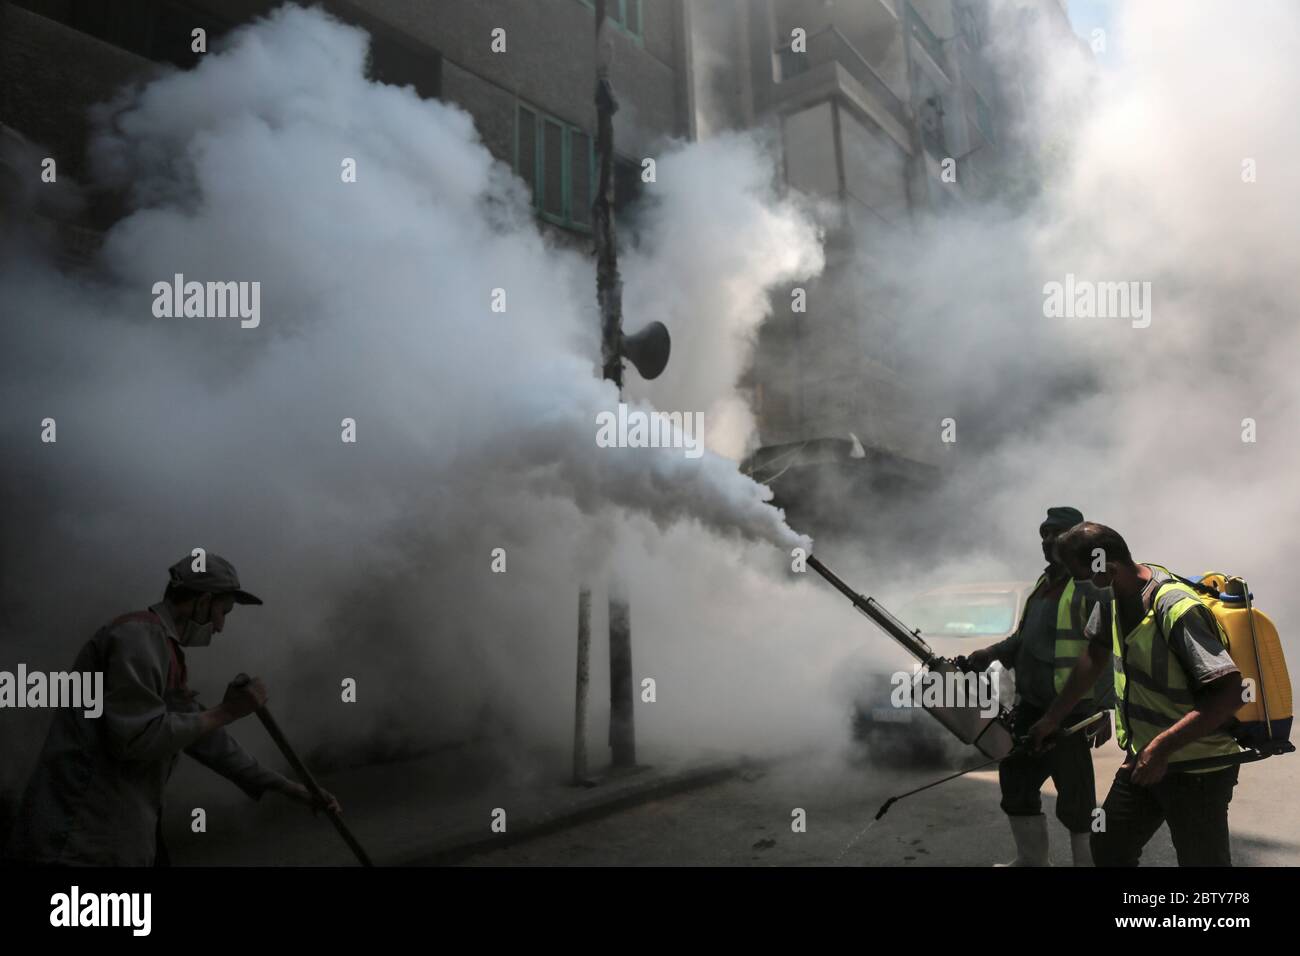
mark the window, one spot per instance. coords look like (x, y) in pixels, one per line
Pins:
(172, 41)
(526, 148)
(972, 22)
(554, 202)
(983, 116)
(156, 29)
(557, 161)
(395, 58)
(947, 614)
(582, 155)
(397, 62)
(625, 14)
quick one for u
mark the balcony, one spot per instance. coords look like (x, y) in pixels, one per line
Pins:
(833, 66)
(920, 31)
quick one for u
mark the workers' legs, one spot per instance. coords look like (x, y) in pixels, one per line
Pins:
(1131, 815)
(1022, 775)
(1196, 806)
(1030, 834)
(1070, 762)
(1021, 779)
(1081, 849)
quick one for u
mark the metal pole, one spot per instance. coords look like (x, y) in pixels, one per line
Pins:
(609, 296)
(622, 730)
(1020, 749)
(1259, 665)
(609, 286)
(584, 678)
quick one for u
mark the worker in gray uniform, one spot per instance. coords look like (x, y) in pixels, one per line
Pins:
(96, 796)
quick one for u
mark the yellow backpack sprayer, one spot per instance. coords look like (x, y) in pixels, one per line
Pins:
(1262, 727)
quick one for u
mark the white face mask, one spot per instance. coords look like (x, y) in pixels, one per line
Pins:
(195, 634)
(1089, 590)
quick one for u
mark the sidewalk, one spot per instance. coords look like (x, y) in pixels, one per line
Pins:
(411, 813)
(543, 811)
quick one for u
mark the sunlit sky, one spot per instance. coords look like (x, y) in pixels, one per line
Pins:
(1087, 15)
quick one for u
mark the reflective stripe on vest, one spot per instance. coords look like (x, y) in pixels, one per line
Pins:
(1069, 636)
(1069, 642)
(1151, 688)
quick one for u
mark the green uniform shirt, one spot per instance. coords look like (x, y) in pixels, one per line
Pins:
(1031, 651)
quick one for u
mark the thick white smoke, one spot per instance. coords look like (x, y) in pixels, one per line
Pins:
(475, 429)
(1146, 178)
(723, 249)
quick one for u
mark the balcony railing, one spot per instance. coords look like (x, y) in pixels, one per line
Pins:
(832, 46)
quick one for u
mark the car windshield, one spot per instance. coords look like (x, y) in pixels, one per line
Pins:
(962, 615)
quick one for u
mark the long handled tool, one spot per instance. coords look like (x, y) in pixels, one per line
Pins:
(1020, 748)
(305, 776)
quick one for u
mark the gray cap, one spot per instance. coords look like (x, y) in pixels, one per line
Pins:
(219, 578)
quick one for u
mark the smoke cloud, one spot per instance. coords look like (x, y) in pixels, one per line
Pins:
(475, 429)
(1171, 166)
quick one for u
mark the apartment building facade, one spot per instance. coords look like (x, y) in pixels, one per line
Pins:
(533, 103)
(875, 109)
(893, 111)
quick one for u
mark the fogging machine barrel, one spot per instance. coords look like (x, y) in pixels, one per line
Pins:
(990, 734)
(891, 625)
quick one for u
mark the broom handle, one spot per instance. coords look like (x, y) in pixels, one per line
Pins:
(305, 775)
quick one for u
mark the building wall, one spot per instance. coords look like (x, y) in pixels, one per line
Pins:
(832, 371)
(718, 58)
(808, 143)
(550, 63)
(50, 76)
(875, 169)
(824, 374)
(52, 70)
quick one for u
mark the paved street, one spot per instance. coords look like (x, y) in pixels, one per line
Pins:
(746, 822)
(414, 812)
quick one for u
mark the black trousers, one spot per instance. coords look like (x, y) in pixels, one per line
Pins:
(1068, 764)
(1195, 805)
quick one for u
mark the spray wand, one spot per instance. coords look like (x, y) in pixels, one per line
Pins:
(1021, 747)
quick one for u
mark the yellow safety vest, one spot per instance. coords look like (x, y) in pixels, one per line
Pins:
(1151, 688)
(1069, 634)
(1070, 642)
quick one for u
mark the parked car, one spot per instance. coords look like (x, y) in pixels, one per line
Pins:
(954, 620)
